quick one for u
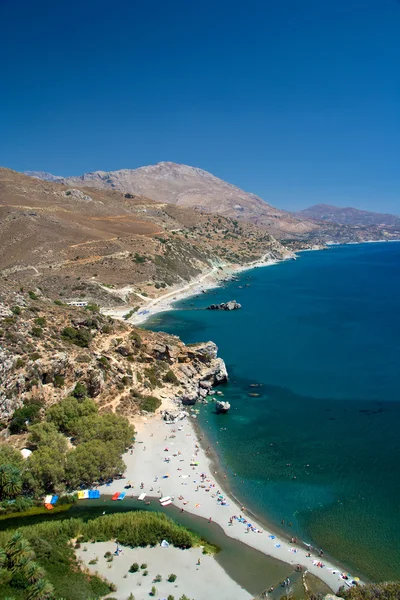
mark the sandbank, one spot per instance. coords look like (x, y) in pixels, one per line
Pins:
(202, 582)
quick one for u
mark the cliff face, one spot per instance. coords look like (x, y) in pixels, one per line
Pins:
(46, 349)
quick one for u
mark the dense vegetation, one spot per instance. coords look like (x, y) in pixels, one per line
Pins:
(372, 591)
(98, 442)
(39, 561)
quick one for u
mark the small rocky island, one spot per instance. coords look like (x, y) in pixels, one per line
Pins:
(231, 305)
(222, 407)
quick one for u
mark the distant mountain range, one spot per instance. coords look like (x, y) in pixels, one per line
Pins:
(349, 216)
(186, 186)
(191, 187)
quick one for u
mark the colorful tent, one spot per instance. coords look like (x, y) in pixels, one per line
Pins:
(53, 499)
(121, 496)
(115, 496)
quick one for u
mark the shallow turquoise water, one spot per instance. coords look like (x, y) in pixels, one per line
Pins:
(320, 446)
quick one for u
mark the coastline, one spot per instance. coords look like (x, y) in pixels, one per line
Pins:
(203, 282)
(164, 303)
(168, 460)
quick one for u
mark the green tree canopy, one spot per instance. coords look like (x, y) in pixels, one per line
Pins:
(91, 461)
(66, 414)
(46, 435)
(45, 470)
(108, 428)
(8, 455)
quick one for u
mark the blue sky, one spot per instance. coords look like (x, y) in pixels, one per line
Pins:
(296, 101)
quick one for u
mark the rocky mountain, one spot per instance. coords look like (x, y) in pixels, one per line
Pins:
(187, 186)
(349, 216)
(43, 175)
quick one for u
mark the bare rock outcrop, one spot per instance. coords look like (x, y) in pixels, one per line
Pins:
(204, 371)
(230, 305)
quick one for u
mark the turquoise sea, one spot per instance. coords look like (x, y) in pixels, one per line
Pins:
(319, 446)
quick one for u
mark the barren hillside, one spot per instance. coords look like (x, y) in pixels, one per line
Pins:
(105, 246)
(183, 185)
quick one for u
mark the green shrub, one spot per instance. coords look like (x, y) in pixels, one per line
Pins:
(37, 332)
(58, 303)
(371, 591)
(80, 391)
(32, 295)
(143, 566)
(79, 336)
(25, 416)
(170, 377)
(59, 381)
(16, 310)
(41, 321)
(150, 403)
(19, 363)
(157, 578)
(94, 308)
(153, 591)
(171, 578)
(34, 356)
(135, 337)
(134, 568)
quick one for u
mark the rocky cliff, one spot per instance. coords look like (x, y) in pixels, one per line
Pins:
(47, 348)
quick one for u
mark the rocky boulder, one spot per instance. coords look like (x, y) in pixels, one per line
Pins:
(231, 305)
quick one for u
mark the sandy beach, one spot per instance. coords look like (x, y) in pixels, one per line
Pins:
(200, 581)
(168, 461)
(211, 279)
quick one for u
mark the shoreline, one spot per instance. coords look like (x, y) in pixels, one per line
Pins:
(214, 462)
(210, 280)
(205, 281)
(168, 460)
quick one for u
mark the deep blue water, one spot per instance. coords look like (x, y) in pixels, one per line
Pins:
(320, 446)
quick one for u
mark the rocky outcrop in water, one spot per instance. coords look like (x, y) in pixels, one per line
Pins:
(222, 407)
(231, 305)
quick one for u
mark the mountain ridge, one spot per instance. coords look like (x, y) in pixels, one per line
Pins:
(349, 215)
(188, 186)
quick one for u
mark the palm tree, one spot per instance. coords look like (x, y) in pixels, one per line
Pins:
(3, 557)
(40, 590)
(13, 486)
(33, 572)
(13, 542)
(21, 564)
(10, 481)
(18, 548)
